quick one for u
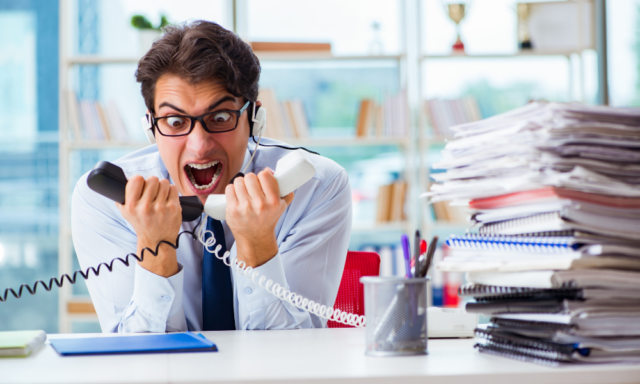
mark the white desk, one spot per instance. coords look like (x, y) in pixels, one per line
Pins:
(318, 356)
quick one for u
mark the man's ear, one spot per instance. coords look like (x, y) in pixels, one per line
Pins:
(147, 127)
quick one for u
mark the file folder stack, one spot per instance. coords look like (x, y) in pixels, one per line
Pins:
(554, 195)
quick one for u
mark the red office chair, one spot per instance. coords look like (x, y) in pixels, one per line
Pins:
(351, 292)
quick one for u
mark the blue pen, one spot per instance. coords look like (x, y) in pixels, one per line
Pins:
(407, 259)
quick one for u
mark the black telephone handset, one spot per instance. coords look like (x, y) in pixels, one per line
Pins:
(110, 181)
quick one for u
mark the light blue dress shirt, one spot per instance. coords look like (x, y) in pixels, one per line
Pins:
(312, 235)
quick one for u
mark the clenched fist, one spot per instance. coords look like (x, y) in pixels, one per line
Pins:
(152, 207)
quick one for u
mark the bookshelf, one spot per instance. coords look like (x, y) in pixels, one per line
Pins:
(414, 148)
(74, 308)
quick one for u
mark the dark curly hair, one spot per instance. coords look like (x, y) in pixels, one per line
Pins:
(197, 51)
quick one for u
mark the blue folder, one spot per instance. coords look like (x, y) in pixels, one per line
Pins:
(157, 343)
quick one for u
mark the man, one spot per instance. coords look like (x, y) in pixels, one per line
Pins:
(199, 83)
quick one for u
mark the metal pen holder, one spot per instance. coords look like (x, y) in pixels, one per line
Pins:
(396, 311)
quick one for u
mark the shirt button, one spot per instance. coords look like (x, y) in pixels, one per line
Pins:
(166, 298)
(248, 291)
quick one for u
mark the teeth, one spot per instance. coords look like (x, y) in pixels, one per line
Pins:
(204, 166)
(213, 180)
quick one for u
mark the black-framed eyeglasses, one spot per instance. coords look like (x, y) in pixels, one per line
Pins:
(224, 120)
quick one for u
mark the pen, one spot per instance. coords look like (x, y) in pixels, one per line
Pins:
(416, 255)
(404, 239)
(430, 252)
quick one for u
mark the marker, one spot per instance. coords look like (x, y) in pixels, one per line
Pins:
(423, 256)
(404, 239)
(416, 255)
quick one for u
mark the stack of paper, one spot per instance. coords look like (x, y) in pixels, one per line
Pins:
(554, 193)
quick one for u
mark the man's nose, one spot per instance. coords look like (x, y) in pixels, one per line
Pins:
(200, 141)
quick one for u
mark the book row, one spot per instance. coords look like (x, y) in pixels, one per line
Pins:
(92, 120)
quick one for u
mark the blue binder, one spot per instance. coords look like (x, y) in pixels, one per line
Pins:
(157, 343)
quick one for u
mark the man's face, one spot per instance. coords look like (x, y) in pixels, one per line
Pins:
(200, 163)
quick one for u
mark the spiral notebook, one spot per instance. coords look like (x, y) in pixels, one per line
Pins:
(559, 221)
(499, 342)
(483, 293)
(569, 245)
(486, 253)
(579, 278)
(500, 336)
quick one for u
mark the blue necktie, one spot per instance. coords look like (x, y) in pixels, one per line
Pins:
(217, 291)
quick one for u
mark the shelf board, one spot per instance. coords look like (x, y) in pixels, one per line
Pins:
(320, 56)
(436, 140)
(346, 141)
(440, 226)
(96, 59)
(263, 56)
(502, 55)
(379, 227)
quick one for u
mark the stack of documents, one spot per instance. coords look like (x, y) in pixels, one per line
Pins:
(553, 191)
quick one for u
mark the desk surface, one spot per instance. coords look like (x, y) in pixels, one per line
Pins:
(318, 355)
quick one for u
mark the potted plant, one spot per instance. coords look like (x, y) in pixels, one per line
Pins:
(148, 33)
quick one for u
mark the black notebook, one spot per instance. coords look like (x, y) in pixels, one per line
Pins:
(498, 335)
(490, 293)
(513, 306)
(497, 350)
(494, 293)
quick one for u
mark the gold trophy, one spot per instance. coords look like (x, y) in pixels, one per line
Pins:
(456, 12)
(524, 10)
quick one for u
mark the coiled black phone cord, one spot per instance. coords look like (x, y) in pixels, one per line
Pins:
(59, 282)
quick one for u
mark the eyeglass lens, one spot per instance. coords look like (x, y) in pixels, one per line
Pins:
(180, 125)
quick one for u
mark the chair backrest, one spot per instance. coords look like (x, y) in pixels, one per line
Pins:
(351, 292)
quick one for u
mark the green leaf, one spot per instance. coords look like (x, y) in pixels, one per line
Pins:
(141, 22)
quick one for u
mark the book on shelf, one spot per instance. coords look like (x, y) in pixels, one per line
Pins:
(444, 114)
(387, 119)
(91, 120)
(391, 202)
(285, 119)
(449, 214)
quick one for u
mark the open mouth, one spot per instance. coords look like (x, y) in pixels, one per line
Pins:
(203, 176)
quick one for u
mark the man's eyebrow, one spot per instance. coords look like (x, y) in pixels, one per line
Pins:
(214, 105)
(209, 108)
(165, 104)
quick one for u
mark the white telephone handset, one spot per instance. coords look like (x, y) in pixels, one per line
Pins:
(292, 171)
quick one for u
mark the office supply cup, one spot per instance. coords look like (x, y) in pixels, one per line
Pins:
(396, 312)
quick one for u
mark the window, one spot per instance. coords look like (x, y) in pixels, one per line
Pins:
(29, 161)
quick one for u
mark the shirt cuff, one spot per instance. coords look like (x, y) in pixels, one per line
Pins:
(250, 293)
(159, 299)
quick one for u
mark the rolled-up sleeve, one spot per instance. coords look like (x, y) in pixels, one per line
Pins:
(313, 242)
(130, 298)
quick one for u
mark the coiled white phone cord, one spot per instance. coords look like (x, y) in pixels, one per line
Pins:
(276, 289)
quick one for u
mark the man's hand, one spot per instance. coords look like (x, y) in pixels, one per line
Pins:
(152, 207)
(254, 207)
